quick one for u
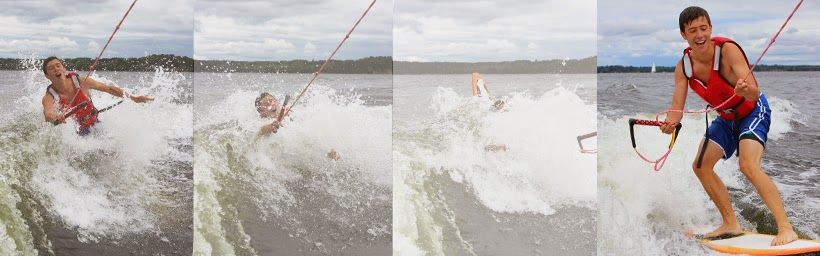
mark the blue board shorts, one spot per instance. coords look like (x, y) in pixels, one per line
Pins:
(726, 134)
(87, 130)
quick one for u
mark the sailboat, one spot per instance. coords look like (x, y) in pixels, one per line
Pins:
(653, 67)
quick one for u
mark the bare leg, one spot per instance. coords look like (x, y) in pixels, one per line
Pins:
(716, 190)
(751, 152)
(492, 147)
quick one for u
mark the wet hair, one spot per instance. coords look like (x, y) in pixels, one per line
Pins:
(47, 60)
(692, 13)
(259, 99)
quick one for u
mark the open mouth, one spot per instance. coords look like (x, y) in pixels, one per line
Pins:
(700, 42)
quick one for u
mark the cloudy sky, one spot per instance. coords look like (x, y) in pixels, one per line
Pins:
(497, 30)
(39, 28)
(636, 33)
(288, 29)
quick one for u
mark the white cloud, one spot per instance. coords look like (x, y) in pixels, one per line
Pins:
(248, 50)
(532, 47)
(155, 26)
(50, 46)
(494, 30)
(309, 47)
(93, 47)
(317, 25)
(412, 58)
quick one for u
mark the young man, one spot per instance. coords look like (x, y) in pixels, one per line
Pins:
(69, 95)
(268, 107)
(715, 68)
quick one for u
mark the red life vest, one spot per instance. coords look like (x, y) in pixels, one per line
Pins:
(86, 116)
(718, 89)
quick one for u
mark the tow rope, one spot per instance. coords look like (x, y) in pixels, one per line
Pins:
(93, 66)
(660, 161)
(285, 110)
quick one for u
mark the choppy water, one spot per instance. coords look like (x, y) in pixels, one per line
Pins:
(642, 212)
(451, 197)
(280, 195)
(126, 189)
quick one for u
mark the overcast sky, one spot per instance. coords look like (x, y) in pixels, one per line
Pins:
(39, 28)
(637, 33)
(498, 30)
(288, 29)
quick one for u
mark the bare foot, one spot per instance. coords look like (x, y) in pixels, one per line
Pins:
(784, 236)
(333, 155)
(495, 147)
(724, 231)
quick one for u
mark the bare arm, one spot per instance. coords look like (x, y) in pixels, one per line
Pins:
(49, 113)
(678, 100)
(474, 82)
(113, 90)
(740, 67)
(268, 129)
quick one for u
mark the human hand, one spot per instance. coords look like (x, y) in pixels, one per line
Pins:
(141, 99)
(668, 127)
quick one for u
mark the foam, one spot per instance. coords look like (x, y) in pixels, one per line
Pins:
(541, 172)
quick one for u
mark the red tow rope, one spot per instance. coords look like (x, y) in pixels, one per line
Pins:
(93, 65)
(660, 161)
(319, 71)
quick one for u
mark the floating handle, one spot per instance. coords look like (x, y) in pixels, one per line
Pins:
(583, 137)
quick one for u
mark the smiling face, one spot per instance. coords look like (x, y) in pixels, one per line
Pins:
(697, 33)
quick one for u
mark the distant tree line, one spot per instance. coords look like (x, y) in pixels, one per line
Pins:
(571, 66)
(369, 65)
(148, 63)
(762, 68)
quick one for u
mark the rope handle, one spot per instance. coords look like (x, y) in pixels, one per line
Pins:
(658, 163)
(581, 145)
